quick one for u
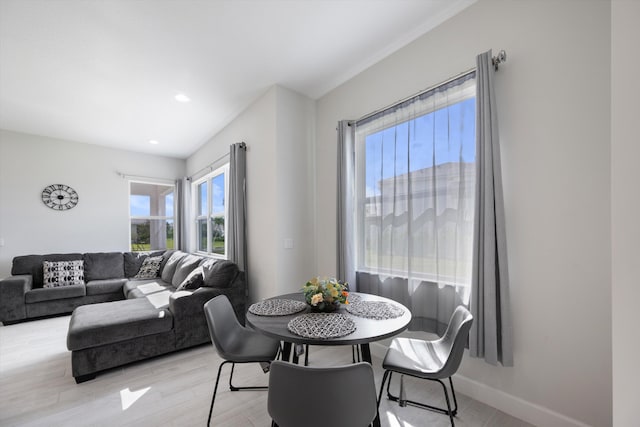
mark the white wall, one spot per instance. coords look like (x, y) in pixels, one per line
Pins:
(278, 131)
(625, 205)
(554, 101)
(295, 209)
(100, 221)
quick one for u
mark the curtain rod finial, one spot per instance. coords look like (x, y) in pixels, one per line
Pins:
(498, 59)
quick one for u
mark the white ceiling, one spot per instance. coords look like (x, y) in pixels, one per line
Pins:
(106, 72)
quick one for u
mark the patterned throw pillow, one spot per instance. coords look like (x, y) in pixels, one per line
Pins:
(150, 268)
(62, 273)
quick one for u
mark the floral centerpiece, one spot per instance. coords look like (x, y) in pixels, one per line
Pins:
(325, 294)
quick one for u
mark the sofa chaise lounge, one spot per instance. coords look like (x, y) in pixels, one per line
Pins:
(126, 306)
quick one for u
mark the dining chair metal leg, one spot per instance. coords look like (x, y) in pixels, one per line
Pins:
(234, 388)
(215, 389)
(446, 396)
(455, 401)
(384, 380)
(450, 412)
(231, 387)
(402, 396)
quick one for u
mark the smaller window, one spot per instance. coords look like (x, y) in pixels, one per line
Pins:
(151, 216)
(211, 212)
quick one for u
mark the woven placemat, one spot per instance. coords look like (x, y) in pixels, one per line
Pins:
(353, 297)
(375, 310)
(277, 307)
(322, 325)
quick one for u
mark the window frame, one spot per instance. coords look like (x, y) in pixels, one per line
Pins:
(197, 217)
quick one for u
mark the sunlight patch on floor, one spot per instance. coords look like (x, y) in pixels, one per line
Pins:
(394, 421)
(128, 397)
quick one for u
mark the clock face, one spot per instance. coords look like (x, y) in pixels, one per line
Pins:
(59, 197)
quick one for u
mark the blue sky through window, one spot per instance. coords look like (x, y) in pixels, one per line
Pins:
(168, 204)
(443, 136)
(218, 193)
(140, 205)
(202, 206)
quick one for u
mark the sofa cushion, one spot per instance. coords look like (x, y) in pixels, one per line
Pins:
(132, 284)
(32, 264)
(194, 280)
(105, 286)
(62, 273)
(103, 265)
(133, 261)
(219, 274)
(150, 268)
(149, 289)
(185, 266)
(48, 294)
(98, 324)
(170, 266)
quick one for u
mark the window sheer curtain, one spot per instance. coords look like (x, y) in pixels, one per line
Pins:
(415, 183)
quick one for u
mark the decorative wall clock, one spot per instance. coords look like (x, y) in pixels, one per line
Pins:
(59, 197)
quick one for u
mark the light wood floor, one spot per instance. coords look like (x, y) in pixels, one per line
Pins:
(37, 389)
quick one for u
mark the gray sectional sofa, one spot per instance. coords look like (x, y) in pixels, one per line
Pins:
(119, 318)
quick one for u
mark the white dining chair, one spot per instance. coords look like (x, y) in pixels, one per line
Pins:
(430, 360)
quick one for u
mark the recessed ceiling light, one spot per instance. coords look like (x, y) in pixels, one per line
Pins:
(181, 97)
(154, 142)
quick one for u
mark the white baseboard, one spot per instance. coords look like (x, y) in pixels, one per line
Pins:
(507, 403)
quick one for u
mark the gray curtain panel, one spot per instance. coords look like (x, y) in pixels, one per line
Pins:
(346, 269)
(183, 201)
(237, 238)
(491, 334)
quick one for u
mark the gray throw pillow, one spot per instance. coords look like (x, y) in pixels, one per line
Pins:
(150, 268)
(194, 280)
(170, 266)
(220, 274)
(185, 266)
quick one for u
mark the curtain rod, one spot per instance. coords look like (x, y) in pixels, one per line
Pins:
(422, 92)
(496, 61)
(210, 165)
(143, 178)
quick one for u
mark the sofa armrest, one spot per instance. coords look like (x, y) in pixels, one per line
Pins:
(194, 301)
(187, 307)
(188, 303)
(12, 290)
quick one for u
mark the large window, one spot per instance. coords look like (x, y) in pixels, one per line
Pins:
(151, 209)
(415, 168)
(211, 211)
